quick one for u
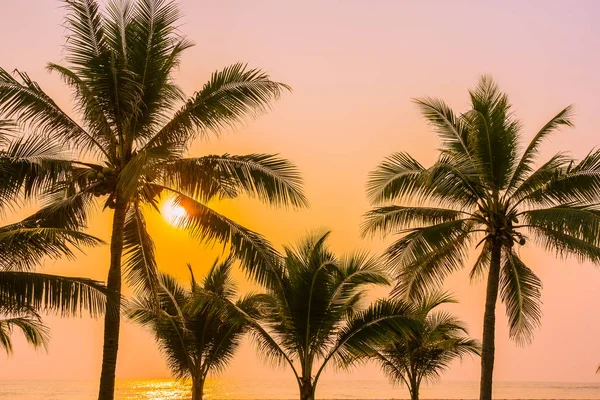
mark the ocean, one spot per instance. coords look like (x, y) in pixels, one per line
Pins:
(165, 389)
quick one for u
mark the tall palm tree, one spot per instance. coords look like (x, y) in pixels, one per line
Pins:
(313, 312)
(134, 128)
(196, 328)
(28, 168)
(438, 339)
(484, 190)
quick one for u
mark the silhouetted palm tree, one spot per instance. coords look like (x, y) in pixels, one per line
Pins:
(313, 312)
(196, 328)
(438, 339)
(135, 128)
(490, 195)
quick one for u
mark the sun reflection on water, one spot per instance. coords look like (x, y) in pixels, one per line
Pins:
(167, 389)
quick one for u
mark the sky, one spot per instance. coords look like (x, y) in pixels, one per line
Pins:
(354, 67)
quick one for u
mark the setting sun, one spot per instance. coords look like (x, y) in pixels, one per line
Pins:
(172, 212)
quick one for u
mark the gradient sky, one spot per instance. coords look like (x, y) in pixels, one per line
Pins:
(354, 67)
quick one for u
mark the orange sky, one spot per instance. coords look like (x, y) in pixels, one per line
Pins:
(354, 66)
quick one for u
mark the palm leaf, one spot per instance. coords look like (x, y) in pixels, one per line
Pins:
(254, 251)
(141, 270)
(397, 218)
(23, 246)
(32, 328)
(524, 167)
(265, 176)
(28, 104)
(68, 296)
(520, 289)
(230, 95)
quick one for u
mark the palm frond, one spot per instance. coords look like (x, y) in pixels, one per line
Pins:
(481, 263)
(65, 295)
(153, 54)
(35, 333)
(265, 176)
(493, 133)
(578, 221)
(521, 290)
(539, 179)
(425, 256)
(370, 329)
(90, 108)
(28, 104)
(64, 211)
(85, 37)
(230, 95)
(451, 128)
(448, 181)
(141, 270)
(524, 167)
(397, 177)
(23, 245)
(388, 219)
(578, 183)
(256, 254)
(565, 245)
(31, 166)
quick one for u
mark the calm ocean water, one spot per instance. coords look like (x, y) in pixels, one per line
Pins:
(271, 389)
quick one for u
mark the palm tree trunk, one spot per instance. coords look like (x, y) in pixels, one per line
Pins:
(112, 320)
(489, 324)
(307, 390)
(414, 390)
(197, 388)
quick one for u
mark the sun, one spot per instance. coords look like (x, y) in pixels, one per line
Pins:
(172, 212)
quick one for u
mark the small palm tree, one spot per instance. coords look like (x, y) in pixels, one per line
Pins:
(134, 128)
(437, 340)
(196, 328)
(313, 312)
(488, 193)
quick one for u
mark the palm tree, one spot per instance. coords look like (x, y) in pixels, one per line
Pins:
(27, 169)
(438, 339)
(313, 312)
(195, 328)
(134, 128)
(484, 190)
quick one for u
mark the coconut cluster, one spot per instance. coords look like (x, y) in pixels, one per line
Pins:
(104, 181)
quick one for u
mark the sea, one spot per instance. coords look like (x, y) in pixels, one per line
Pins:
(159, 389)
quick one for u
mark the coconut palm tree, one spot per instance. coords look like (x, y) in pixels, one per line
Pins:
(485, 191)
(438, 339)
(313, 312)
(133, 128)
(195, 327)
(28, 169)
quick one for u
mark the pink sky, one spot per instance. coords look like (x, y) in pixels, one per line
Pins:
(354, 66)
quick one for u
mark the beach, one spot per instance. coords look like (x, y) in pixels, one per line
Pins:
(164, 389)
